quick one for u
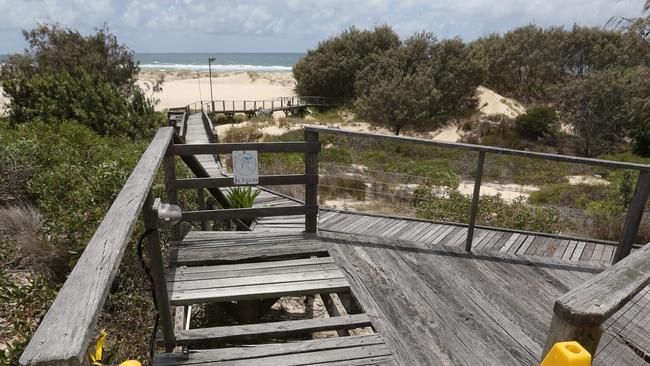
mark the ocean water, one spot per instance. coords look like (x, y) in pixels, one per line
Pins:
(225, 62)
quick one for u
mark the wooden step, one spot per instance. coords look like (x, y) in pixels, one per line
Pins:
(274, 329)
(353, 350)
(207, 248)
(251, 281)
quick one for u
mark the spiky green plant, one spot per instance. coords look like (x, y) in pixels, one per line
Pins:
(242, 197)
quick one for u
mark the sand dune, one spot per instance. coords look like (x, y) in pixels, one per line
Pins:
(493, 103)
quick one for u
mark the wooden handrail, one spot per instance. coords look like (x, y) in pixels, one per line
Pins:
(262, 147)
(634, 214)
(266, 180)
(236, 213)
(487, 149)
(580, 313)
(63, 336)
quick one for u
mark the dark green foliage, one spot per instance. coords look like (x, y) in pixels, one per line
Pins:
(536, 122)
(330, 69)
(89, 79)
(604, 107)
(641, 132)
(522, 63)
(528, 62)
(417, 82)
(74, 177)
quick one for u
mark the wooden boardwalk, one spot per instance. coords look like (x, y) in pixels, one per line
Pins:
(403, 273)
(438, 305)
(390, 290)
(425, 304)
(250, 268)
(196, 134)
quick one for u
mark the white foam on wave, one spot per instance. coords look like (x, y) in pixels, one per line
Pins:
(216, 67)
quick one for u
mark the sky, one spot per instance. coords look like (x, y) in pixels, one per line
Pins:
(290, 25)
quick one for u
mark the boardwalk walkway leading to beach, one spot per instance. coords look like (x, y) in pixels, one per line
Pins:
(387, 290)
(510, 280)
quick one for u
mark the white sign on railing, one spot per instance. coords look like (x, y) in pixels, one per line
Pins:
(245, 167)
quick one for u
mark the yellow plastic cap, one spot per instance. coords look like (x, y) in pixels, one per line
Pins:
(567, 354)
(131, 363)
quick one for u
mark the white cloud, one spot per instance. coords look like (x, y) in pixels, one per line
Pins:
(300, 23)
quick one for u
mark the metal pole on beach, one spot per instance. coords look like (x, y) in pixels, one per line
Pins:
(198, 76)
(210, 60)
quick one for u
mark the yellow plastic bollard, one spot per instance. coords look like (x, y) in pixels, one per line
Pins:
(567, 354)
(97, 358)
(131, 363)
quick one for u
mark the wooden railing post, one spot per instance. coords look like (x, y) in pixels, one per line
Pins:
(588, 335)
(150, 217)
(311, 189)
(634, 216)
(475, 199)
(170, 186)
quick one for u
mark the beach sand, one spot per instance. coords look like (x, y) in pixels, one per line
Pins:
(182, 87)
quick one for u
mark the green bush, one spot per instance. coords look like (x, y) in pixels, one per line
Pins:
(222, 119)
(417, 83)
(604, 107)
(493, 211)
(642, 140)
(330, 69)
(88, 79)
(564, 194)
(537, 122)
(336, 155)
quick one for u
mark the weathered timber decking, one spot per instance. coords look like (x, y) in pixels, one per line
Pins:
(430, 304)
(437, 305)
(196, 134)
(251, 268)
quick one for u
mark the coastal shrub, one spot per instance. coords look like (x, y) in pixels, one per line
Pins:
(598, 107)
(64, 75)
(529, 62)
(222, 119)
(416, 83)
(336, 155)
(536, 122)
(247, 133)
(567, 195)
(641, 133)
(493, 211)
(24, 300)
(330, 69)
